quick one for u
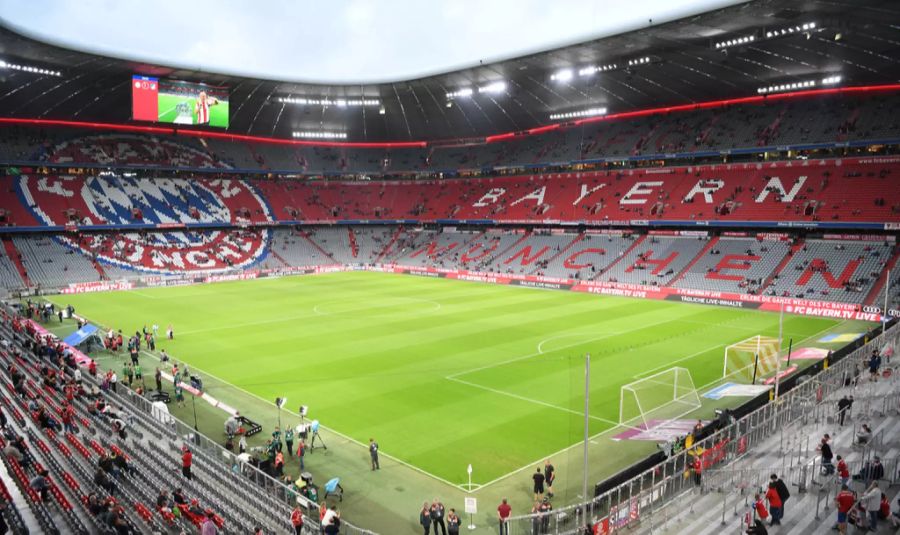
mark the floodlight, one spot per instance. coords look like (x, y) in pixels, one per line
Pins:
(562, 76)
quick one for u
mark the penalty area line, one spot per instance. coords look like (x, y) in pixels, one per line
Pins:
(540, 352)
(530, 400)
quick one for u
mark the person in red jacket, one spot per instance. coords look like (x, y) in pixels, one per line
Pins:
(186, 459)
(297, 520)
(843, 502)
(842, 470)
(774, 504)
(759, 506)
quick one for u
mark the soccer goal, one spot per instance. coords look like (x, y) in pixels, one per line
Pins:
(659, 398)
(741, 358)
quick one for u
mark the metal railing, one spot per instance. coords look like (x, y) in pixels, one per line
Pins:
(645, 498)
(273, 489)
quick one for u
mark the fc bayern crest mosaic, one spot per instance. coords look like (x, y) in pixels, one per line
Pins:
(153, 204)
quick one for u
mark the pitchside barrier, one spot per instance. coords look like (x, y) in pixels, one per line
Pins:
(642, 500)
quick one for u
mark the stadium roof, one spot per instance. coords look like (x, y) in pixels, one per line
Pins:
(764, 45)
(341, 41)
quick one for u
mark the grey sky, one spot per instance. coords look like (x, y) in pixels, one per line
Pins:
(341, 41)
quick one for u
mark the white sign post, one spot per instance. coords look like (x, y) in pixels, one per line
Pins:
(471, 504)
(471, 509)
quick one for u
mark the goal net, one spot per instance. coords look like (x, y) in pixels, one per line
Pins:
(741, 358)
(659, 398)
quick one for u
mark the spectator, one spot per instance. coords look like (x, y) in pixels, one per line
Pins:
(871, 471)
(759, 507)
(864, 435)
(195, 509)
(208, 527)
(844, 503)
(333, 521)
(122, 464)
(13, 451)
(827, 455)
(844, 405)
(874, 364)
(163, 502)
(297, 520)
(782, 491)
(895, 516)
(758, 528)
(107, 465)
(187, 459)
(279, 464)
(843, 471)
(40, 485)
(102, 480)
(871, 501)
(774, 503)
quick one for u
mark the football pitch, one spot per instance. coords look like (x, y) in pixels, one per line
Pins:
(442, 373)
(168, 109)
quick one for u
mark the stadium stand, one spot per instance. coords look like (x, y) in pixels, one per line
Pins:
(834, 271)
(656, 261)
(841, 268)
(587, 257)
(37, 391)
(735, 265)
(852, 190)
(50, 264)
(9, 274)
(800, 121)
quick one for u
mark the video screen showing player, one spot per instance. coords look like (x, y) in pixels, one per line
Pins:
(195, 104)
(177, 102)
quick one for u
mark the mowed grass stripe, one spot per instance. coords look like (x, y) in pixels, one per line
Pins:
(375, 362)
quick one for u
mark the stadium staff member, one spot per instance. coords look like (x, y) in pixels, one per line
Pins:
(373, 453)
(538, 478)
(503, 513)
(549, 476)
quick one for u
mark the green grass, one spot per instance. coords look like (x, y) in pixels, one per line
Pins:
(371, 354)
(218, 115)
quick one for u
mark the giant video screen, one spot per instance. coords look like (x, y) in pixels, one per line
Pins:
(177, 102)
